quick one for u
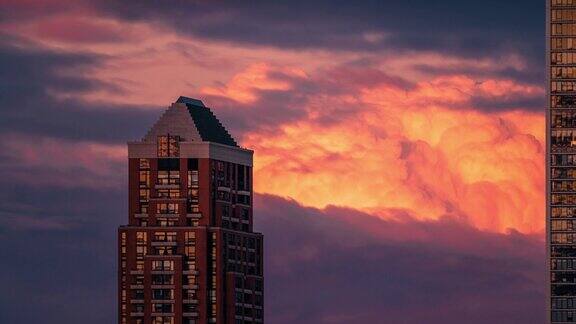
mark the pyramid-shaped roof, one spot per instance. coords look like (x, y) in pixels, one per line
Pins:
(190, 119)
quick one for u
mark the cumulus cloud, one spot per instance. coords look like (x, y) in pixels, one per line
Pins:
(389, 144)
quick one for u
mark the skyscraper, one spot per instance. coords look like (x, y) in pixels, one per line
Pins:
(561, 160)
(188, 253)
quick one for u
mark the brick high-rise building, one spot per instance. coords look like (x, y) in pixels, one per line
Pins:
(188, 253)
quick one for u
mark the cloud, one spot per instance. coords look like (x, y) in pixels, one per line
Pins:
(354, 122)
(373, 141)
(322, 266)
(43, 161)
(341, 266)
(424, 132)
(81, 30)
(35, 82)
(62, 252)
(449, 26)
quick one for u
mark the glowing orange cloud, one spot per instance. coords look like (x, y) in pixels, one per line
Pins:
(412, 150)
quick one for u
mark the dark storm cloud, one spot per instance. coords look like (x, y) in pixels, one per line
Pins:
(333, 266)
(60, 267)
(342, 266)
(474, 28)
(29, 74)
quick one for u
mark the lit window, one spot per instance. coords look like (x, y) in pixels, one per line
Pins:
(168, 146)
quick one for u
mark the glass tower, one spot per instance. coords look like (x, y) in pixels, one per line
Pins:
(561, 160)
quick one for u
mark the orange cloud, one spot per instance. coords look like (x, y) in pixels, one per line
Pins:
(412, 149)
(243, 86)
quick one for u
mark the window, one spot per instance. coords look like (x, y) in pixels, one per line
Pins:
(138, 294)
(168, 146)
(167, 208)
(144, 179)
(164, 250)
(140, 250)
(163, 294)
(168, 177)
(190, 237)
(165, 222)
(243, 199)
(165, 237)
(192, 178)
(258, 285)
(144, 194)
(190, 251)
(144, 207)
(168, 193)
(190, 264)
(163, 319)
(193, 195)
(144, 164)
(189, 294)
(141, 237)
(139, 280)
(189, 280)
(563, 101)
(162, 308)
(160, 265)
(162, 279)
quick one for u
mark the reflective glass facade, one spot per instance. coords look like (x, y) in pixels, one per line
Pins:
(561, 173)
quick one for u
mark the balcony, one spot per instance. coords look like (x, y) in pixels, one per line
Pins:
(192, 314)
(190, 286)
(137, 314)
(136, 286)
(190, 272)
(140, 215)
(194, 215)
(137, 272)
(137, 301)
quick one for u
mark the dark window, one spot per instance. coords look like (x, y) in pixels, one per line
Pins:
(192, 164)
(168, 164)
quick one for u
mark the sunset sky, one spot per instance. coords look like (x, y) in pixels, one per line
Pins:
(399, 149)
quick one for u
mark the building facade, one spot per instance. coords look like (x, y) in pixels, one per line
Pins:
(561, 160)
(188, 253)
